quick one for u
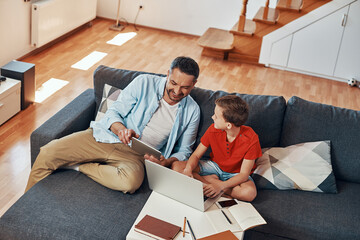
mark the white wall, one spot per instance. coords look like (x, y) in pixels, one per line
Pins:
(15, 29)
(186, 16)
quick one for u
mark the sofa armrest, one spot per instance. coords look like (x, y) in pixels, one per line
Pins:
(75, 116)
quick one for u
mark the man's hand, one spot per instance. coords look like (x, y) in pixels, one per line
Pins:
(161, 161)
(125, 135)
(166, 162)
(213, 189)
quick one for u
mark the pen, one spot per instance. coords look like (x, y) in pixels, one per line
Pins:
(226, 217)
(192, 232)
(184, 226)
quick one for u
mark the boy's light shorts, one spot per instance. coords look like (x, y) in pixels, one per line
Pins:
(208, 167)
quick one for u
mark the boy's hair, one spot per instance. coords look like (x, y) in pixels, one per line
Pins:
(186, 65)
(235, 109)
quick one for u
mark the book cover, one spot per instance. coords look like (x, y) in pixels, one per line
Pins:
(242, 217)
(226, 235)
(157, 228)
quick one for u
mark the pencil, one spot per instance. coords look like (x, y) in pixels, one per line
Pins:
(191, 231)
(184, 226)
(226, 217)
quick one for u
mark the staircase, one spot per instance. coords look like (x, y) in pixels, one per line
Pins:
(243, 42)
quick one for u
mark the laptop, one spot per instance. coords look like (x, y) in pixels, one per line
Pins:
(143, 148)
(178, 186)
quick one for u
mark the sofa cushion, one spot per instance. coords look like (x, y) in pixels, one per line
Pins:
(307, 121)
(110, 95)
(265, 117)
(307, 215)
(119, 78)
(69, 205)
(304, 166)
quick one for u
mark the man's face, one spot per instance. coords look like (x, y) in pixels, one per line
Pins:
(218, 118)
(178, 86)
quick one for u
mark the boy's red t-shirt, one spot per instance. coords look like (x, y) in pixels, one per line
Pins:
(229, 156)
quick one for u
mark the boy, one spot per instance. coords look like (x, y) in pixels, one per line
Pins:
(234, 150)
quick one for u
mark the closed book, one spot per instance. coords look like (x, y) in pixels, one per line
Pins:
(157, 228)
(226, 235)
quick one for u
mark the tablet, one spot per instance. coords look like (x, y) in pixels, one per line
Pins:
(143, 148)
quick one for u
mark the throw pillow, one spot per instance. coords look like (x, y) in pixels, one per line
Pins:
(110, 95)
(304, 166)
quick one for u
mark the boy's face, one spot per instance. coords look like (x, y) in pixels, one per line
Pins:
(219, 121)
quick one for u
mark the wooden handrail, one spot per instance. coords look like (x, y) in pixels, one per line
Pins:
(266, 9)
(242, 18)
(288, 3)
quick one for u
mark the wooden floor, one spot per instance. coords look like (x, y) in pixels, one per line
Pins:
(150, 50)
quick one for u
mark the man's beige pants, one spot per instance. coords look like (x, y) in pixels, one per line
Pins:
(114, 165)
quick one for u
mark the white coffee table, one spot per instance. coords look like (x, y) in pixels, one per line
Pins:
(174, 212)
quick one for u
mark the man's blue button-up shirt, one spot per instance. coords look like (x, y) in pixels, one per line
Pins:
(134, 108)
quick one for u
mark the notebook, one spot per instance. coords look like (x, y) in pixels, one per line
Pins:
(178, 186)
(226, 235)
(157, 228)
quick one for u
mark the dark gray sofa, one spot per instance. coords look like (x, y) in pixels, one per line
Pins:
(69, 205)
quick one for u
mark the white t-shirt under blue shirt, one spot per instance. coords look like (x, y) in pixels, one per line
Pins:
(157, 131)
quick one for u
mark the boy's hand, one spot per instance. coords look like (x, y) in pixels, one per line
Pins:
(188, 172)
(213, 189)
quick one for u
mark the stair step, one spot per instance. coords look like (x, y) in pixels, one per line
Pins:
(244, 58)
(217, 39)
(249, 29)
(271, 18)
(291, 5)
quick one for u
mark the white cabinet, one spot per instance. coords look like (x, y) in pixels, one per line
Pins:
(282, 49)
(348, 64)
(315, 48)
(324, 42)
(10, 91)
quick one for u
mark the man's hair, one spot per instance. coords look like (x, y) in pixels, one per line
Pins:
(235, 109)
(186, 65)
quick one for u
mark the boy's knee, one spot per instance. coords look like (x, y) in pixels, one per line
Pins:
(250, 195)
(244, 194)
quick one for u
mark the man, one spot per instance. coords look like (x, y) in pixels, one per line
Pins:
(158, 110)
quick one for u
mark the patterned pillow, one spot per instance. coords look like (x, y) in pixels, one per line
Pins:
(304, 166)
(110, 95)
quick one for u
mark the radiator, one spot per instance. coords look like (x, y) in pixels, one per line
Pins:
(51, 19)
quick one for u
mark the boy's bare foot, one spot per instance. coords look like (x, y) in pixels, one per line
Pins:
(210, 178)
(227, 195)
